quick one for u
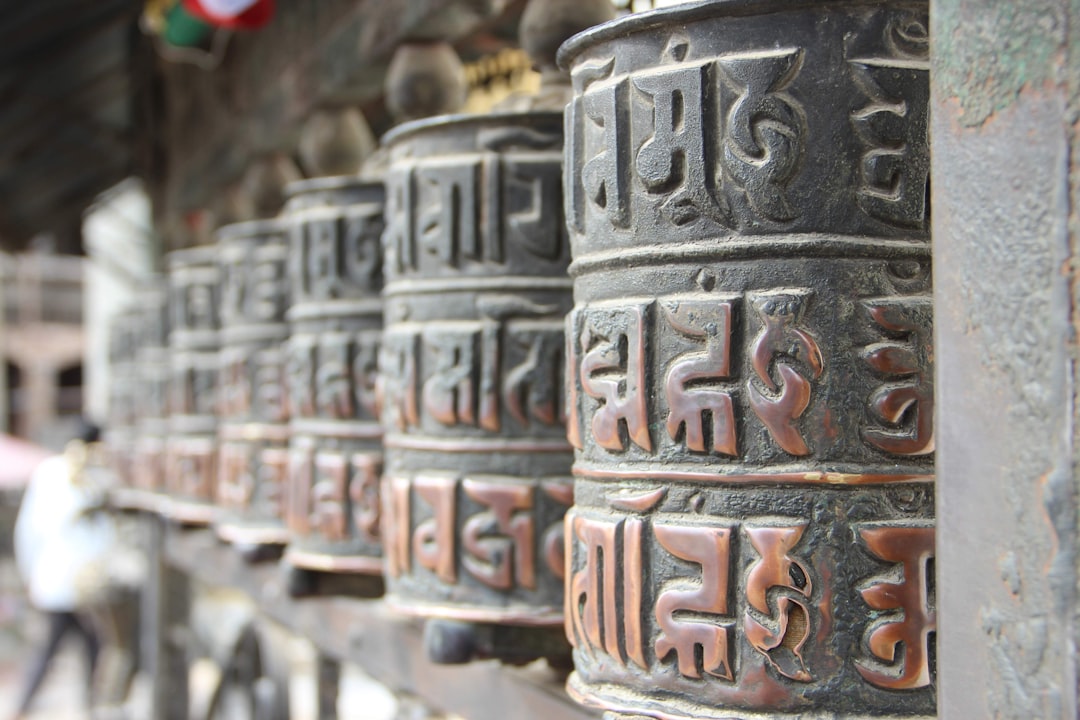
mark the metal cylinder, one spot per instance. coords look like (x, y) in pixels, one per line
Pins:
(335, 453)
(477, 463)
(750, 362)
(152, 374)
(191, 451)
(253, 429)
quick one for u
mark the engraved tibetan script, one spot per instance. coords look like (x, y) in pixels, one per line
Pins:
(328, 497)
(613, 372)
(910, 617)
(892, 126)
(782, 344)
(463, 388)
(902, 407)
(499, 541)
(397, 379)
(709, 547)
(532, 388)
(778, 588)
(766, 128)
(695, 407)
(603, 176)
(364, 494)
(601, 614)
(434, 539)
(674, 162)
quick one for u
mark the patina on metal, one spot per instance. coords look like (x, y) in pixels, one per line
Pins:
(253, 414)
(1006, 166)
(749, 363)
(477, 479)
(194, 335)
(152, 379)
(335, 453)
(477, 463)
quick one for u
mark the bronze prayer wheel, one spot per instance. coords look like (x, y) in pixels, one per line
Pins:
(253, 429)
(750, 362)
(335, 450)
(152, 375)
(477, 464)
(191, 451)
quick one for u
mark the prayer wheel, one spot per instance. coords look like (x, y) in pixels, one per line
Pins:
(749, 362)
(253, 427)
(477, 464)
(191, 450)
(120, 429)
(335, 453)
(152, 375)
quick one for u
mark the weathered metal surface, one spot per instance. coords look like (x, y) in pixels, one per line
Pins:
(152, 379)
(335, 454)
(477, 463)
(191, 452)
(1005, 101)
(253, 427)
(750, 363)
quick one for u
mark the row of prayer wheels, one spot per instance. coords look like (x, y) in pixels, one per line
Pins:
(653, 375)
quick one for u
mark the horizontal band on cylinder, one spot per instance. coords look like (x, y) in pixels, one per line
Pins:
(335, 428)
(788, 477)
(530, 617)
(349, 309)
(464, 445)
(415, 286)
(254, 431)
(742, 247)
(254, 333)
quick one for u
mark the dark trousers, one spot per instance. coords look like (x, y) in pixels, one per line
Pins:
(60, 625)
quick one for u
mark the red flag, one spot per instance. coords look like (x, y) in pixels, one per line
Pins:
(232, 14)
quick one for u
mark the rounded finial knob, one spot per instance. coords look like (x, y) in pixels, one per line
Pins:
(425, 78)
(547, 24)
(335, 142)
(263, 185)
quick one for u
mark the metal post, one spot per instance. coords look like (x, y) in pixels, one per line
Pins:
(1005, 103)
(166, 605)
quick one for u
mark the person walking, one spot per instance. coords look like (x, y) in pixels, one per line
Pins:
(61, 543)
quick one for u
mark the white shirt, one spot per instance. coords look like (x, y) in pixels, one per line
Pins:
(60, 551)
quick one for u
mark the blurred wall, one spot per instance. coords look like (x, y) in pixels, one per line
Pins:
(118, 236)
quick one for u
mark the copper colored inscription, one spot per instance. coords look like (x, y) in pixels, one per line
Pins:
(911, 618)
(783, 403)
(694, 407)
(328, 497)
(613, 372)
(777, 624)
(904, 406)
(593, 593)
(434, 539)
(498, 542)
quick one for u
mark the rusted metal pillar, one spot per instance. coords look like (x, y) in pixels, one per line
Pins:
(477, 463)
(750, 363)
(191, 453)
(254, 431)
(1006, 193)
